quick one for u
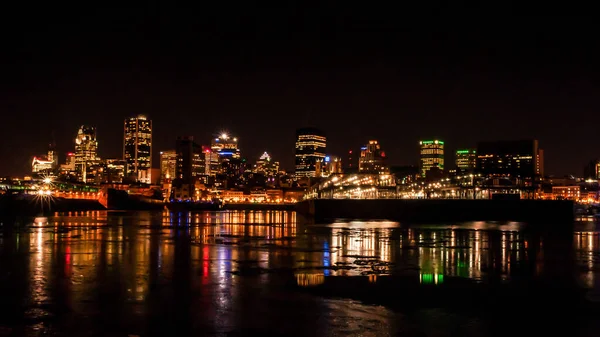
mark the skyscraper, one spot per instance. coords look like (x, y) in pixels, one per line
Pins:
(466, 160)
(137, 148)
(432, 155)
(86, 151)
(226, 146)
(168, 163)
(522, 159)
(188, 169)
(372, 159)
(310, 148)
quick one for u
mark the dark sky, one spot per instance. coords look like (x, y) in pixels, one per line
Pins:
(358, 73)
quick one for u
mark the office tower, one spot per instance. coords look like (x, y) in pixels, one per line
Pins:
(310, 148)
(86, 151)
(137, 148)
(372, 159)
(226, 147)
(187, 170)
(168, 164)
(328, 166)
(266, 165)
(466, 160)
(521, 159)
(432, 155)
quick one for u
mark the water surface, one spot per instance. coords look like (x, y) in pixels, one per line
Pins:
(267, 273)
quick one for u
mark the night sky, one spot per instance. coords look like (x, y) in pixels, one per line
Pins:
(260, 73)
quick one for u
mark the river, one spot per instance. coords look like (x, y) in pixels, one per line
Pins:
(268, 273)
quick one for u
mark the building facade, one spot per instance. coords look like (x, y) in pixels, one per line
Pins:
(311, 144)
(328, 166)
(137, 148)
(86, 151)
(168, 164)
(372, 159)
(466, 160)
(226, 147)
(521, 159)
(432, 155)
(187, 170)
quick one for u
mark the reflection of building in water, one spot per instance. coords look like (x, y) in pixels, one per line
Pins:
(462, 253)
(586, 247)
(348, 245)
(310, 280)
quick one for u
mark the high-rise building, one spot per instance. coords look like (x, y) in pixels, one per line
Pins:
(432, 155)
(266, 165)
(372, 159)
(137, 148)
(168, 164)
(592, 170)
(113, 171)
(86, 151)
(351, 163)
(466, 160)
(519, 159)
(187, 170)
(212, 164)
(311, 144)
(226, 147)
(328, 166)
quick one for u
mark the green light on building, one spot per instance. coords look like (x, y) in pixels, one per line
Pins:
(426, 142)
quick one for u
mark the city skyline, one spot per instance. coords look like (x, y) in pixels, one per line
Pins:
(263, 74)
(450, 155)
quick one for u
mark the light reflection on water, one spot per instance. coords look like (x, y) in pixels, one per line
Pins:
(218, 261)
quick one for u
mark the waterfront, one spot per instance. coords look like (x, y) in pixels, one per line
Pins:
(268, 273)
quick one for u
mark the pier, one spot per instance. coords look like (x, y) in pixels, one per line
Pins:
(439, 210)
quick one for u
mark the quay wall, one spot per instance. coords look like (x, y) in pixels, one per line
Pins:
(438, 210)
(258, 207)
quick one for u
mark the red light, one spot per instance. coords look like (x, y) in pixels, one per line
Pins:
(350, 151)
(70, 154)
(382, 154)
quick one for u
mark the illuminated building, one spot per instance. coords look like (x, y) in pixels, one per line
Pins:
(211, 160)
(466, 160)
(432, 155)
(328, 166)
(522, 159)
(40, 165)
(266, 165)
(112, 171)
(86, 151)
(168, 164)
(45, 164)
(187, 170)
(68, 167)
(226, 147)
(310, 148)
(137, 148)
(566, 192)
(372, 159)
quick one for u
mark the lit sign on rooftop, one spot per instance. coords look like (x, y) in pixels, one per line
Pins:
(427, 142)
